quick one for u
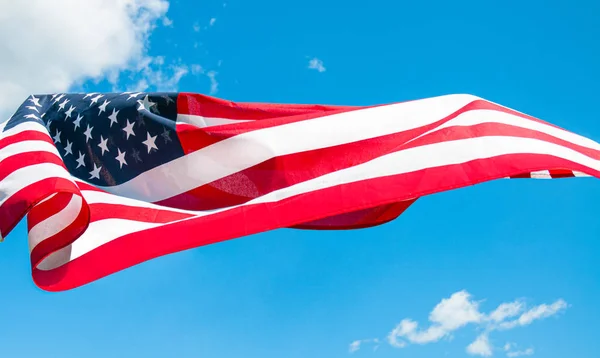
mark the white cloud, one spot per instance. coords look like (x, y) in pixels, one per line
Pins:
(480, 347)
(214, 85)
(526, 352)
(456, 311)
(535, 313)
(316, 64)
(197, 70)
(46, 50)
(508, 348)
(356, 345)
(506, 310)
(156, 76)
(212, 21)
(196, 27)
(447, 316)
(167, 22)
(460, 310)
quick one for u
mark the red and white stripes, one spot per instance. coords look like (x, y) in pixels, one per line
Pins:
(250, 168)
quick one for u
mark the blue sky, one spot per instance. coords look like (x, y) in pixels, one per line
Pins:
(305, 294)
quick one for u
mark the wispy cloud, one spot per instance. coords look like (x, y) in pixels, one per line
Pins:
(526, 352)
(356, 345)
(214, 85)
(535, 313)
(212, 21)
(316, 64)
(212, 76)
(460, 310)
(511, 353)
(167, 22)
(154, 74)
(196, 26)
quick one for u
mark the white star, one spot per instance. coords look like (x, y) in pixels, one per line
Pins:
(113, 117)
(35, 101)
(121, 158)
(77, 121)
(89, 95)
(68, 148)
(96, 172)
(103, 145)
(146, 104)
(149, 142)
(80, 162)
(95, 99)
(54, 95)
(58, 98)
(63, 104)
(102, 107)
(69, 112)
(129, 129)
(88, 133)
(32, 116)
(134, 95)
(57, 137)
(33, 108)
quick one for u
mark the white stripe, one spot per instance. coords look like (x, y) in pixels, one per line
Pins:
(245, 150)
(97, 234)
(98, 197)
(55, 223)
(481, 116)
(203, 122)
(23, 177)
(581, 175)
(406, 161)
(25, 126)
(431, 156)
(541, 174)
(27, 146)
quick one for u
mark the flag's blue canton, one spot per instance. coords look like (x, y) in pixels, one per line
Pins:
(107, 138)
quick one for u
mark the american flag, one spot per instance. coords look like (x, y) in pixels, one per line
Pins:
(110, 180)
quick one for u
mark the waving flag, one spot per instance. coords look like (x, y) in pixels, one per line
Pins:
(108, 181)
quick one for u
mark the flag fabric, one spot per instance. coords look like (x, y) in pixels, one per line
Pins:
(110, 180)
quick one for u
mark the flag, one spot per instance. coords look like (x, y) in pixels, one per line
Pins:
(110, 180)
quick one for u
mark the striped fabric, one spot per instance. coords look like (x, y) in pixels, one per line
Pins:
(108, 181)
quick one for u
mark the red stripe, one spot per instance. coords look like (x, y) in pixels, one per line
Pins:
(25, 136)
(101, 211)
(495, 129)
(561, 173)
(193, 138)
(287, 170)
(15, 208)
(359, 219)
(206, 106)
(86, 186)
(42, 211)
(64, 238)
(141, 246)
(22, 160)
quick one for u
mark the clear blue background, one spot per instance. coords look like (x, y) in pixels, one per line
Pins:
(309, 294)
